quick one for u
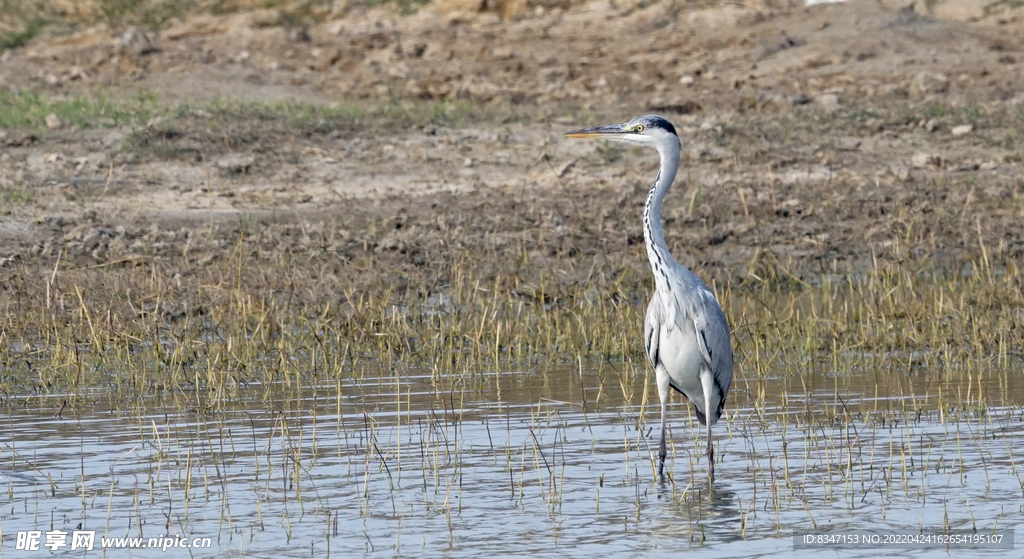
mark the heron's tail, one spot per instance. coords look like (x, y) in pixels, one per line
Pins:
(700, 417)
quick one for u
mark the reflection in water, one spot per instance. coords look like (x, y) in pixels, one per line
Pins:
(523, 463)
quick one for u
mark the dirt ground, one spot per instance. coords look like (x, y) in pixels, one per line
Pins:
(815, 139)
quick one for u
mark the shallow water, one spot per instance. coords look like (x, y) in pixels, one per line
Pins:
(514, 464)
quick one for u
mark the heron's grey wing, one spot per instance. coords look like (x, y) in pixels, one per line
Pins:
(713, 340)
(652, 328)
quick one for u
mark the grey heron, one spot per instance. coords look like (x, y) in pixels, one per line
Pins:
(685, 332)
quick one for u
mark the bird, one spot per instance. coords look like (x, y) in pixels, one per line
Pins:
(686, 333)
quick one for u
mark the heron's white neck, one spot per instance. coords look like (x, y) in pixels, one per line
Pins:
(654, 238)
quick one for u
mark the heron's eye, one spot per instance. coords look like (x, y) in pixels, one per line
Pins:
(639, 128)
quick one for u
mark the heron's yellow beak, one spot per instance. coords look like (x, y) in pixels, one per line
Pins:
(608, 132)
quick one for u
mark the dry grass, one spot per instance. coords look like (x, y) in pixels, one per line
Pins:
(172, 323)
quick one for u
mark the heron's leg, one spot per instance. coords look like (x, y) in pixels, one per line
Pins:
(711, 456)
(662, 448)
(663, 393)
(710, 416)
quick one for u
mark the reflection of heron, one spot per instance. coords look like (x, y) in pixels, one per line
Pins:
(685, 332)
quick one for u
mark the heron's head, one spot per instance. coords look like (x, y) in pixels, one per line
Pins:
(647, 130)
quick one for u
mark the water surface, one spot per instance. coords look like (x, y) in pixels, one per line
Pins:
(522, 463)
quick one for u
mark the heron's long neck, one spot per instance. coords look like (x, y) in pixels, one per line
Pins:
(657, 250)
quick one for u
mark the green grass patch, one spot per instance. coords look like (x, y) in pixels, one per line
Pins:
(15, 39)
(16, 194)
(392, 115)
(152, 15)
(29, 109)
(189, 132)
(405, 6)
